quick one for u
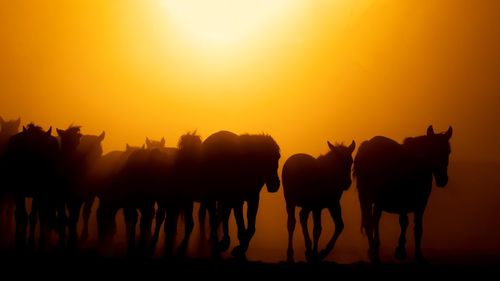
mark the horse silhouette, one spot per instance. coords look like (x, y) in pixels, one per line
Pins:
(314, 184)
(103, 177)
(7, 130)
(177, 195)
(234, 168)
(31, 161)
(397, 178)
(81, 192)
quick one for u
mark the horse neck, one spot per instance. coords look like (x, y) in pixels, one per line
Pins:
(416, 152)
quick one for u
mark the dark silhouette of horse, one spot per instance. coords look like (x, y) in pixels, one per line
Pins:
(234, 169)
(397, 178)
(103, 177)
(83, 153)
(177, 195)
(314, 184)
(31, 161)
(7, 130)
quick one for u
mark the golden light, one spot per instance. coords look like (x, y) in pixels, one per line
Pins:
(222, 22)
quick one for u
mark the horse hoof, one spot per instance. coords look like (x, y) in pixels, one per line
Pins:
(400, 253)
(420, 259)
(322, 255)
(374, 257)
(238, 252)
(311, 256)
(223, 245)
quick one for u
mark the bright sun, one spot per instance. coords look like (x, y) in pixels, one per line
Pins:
(225, 21)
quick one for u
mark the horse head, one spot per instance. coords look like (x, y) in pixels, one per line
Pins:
(341, 164)
(438, 154)
(70, 138)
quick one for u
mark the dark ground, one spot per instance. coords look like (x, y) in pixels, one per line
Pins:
(90, 265)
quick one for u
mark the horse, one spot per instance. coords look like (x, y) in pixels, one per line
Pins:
(103, 177)
(31, 161)
(81, 193)
(397, 178)
(176, 196)
(234, 168)
(8, 129)
(314, 184)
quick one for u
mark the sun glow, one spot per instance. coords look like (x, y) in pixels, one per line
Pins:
(225, 21)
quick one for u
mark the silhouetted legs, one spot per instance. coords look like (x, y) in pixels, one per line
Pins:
(418, 220)
(367, 221)
(147, 214)
(290, 209)
(33, 218)
(317, 228)
(74, 207)
(240, 221)
(336, 214)
(160, 218)
(131, 217)
(21, 222)
(188, 228)
(253, 207)
(377, 214)
(304, 215)
(87, 210)
(202, 213)
(225, 211)
(400, 253)
(170, 228)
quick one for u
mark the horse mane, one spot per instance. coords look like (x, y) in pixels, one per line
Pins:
(189, 140)
(264, 143)
(32, 127)
(73, 129)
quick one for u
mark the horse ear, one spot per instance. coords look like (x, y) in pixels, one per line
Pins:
(449, 132)
(127, 147)
(18, 122)
(148, 142)
(101, 136)
(352, 146)
(331, 146)
(430, 131)
(60, 132)
(49, 131)
(143, 146)
(162, 142)
(24, 129)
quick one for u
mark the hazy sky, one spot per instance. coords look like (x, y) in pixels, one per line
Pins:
(303, 71)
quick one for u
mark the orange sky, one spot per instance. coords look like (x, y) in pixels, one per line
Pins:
(311, 72)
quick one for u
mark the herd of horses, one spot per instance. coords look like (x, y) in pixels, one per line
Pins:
(64, 175)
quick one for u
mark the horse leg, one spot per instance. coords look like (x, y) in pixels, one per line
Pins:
(21, 217)
(336, 214)
(147, 214)
(418, 232)
(74, 206)
(317, 228)
(367, 222)
(290, 210)
(87, 210)
(213, 221)
(33, 217)
(61, 221)
(43, 215)
(131, 217)
(400, 253)
(170, 231)
(225, 210)
(188, 227)
(240, 221)
(253, 207)
(160, 218)
(377, 214)
(304, 215)
(202, 213)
